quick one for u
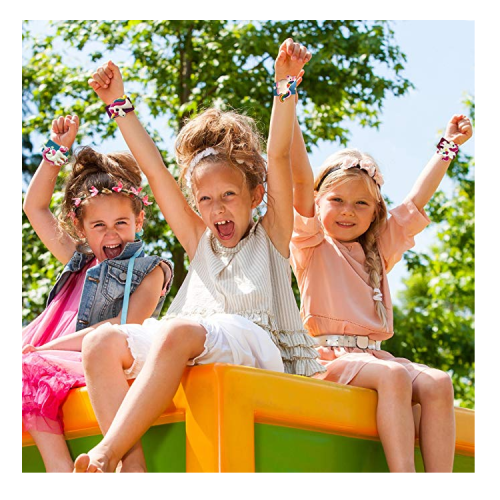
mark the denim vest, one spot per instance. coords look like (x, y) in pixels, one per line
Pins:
(102, 295)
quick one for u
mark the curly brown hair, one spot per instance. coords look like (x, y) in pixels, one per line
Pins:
(368, 240)
(235, 138)
(103, 171)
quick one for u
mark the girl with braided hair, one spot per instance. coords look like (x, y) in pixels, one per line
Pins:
(342, 248)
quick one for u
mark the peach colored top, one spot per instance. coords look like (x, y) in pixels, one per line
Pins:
(336, 297)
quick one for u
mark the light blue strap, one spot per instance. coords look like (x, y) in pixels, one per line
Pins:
(128, 283)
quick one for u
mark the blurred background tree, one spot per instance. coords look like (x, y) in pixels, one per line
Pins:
(176, 69)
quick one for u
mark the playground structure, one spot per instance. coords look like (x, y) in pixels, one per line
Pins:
(227, 418)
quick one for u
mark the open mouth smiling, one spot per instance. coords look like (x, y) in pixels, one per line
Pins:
(112, 251)
(225, 229)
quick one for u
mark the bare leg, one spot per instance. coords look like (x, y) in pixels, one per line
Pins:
(394, 411)
(152, 391)
(433, 389)
(105, 356)
(54, 451)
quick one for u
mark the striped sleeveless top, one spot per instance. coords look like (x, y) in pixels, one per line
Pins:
(252, 280)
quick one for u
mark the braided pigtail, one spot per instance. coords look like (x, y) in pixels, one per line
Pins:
(373, 265)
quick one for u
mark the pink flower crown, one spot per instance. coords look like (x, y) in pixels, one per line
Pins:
(93, 191)
(352, 162)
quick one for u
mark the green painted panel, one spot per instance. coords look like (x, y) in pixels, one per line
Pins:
(164, 447)
(32, 461)
(463, 464)
(285, 449)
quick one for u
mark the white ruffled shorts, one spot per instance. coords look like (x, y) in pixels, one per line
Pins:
(230, 339)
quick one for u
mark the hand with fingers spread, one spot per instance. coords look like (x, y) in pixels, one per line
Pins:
(64, 130)
(459, 129)
(107, 82)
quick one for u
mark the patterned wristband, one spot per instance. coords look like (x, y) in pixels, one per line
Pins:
(55, 154)
(448, 149)
(285, 88)
(119, 107)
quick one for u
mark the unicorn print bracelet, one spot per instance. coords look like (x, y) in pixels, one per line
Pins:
(447, 149)
(55, 154)
(285, 88)
(119, 107)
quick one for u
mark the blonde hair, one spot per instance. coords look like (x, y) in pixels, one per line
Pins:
(232, 135)
(103, 171)
(368, 240)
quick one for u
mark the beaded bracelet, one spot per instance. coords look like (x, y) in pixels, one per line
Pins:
(119, 107)
(448, 149)
(285, 88)
(55, 154)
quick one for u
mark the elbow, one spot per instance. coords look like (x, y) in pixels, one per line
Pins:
(27, 207)
(418, 201)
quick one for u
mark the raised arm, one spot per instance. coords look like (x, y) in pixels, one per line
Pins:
(459, 130)
(185, 223)
(302, 175)
(278, 220)
(37, 200)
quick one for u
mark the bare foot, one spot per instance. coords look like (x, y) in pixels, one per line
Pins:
(93, 461)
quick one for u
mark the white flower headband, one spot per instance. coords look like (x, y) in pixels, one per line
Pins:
(352, 162)
(195, 161)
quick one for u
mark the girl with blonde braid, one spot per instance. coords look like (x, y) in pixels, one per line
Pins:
(342, 248)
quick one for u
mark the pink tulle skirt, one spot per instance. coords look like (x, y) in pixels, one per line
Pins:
(49, 375)
(47, 379)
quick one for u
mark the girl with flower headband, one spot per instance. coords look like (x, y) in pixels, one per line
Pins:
(107, 278)
(342, 248)
(236, 304)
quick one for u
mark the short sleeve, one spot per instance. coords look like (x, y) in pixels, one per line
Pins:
(397, 237)
(307, 231)
(307, 234)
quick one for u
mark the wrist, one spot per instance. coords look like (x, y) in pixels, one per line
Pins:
(447, 148)
(110, 100)
(55, 153)
(285, 87)
(119, 107)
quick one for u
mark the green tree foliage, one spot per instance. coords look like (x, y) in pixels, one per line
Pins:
(434, 323)
(174, 70)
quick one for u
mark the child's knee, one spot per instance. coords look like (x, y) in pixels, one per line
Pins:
(102, 341)
(177, 334)
(436, 385)
(397, 380)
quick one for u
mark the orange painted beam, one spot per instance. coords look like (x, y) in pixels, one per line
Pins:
(220, 404)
